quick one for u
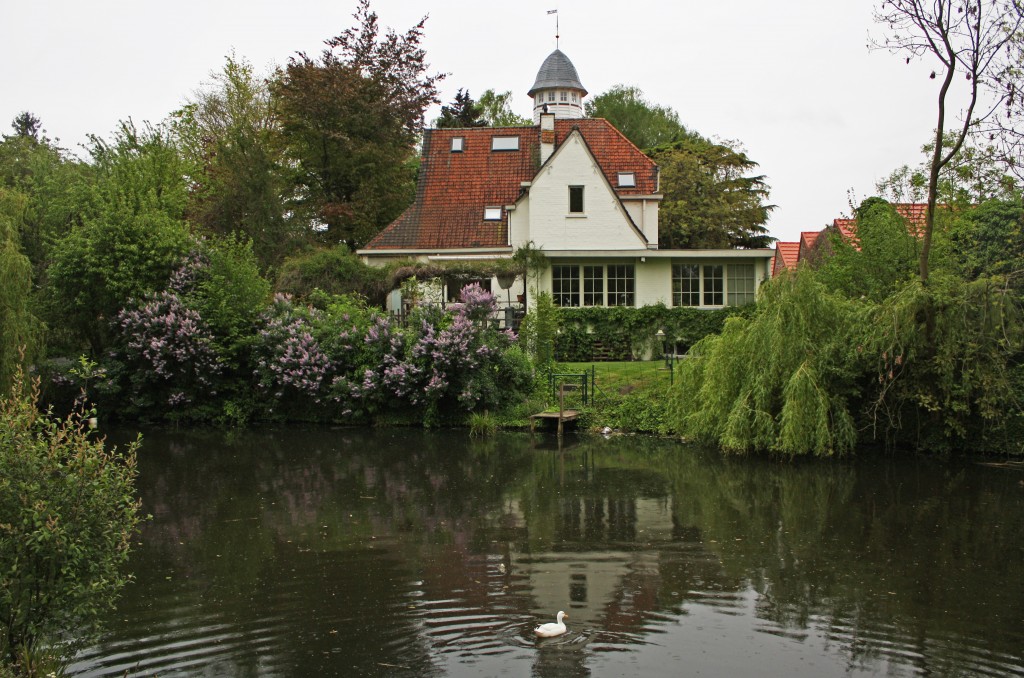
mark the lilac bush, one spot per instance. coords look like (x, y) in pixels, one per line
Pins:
(171, 348)
(288, 359)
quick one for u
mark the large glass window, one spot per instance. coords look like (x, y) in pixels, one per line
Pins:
(713, 285)
(740, 279)
(685, 285)
(621, 285)
(565, 285)
(593, 285)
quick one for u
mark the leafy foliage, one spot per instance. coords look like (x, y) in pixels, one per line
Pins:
(882, 255)
(710, 202)
(131, 236)
(645, 124)
(21, 332)
(334, 271)
(496, 109)
(67, 517)
(796, 401)
(229, 134)
(350, 121)
(630, 332)
(462, 112)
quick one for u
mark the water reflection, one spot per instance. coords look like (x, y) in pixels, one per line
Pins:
(298, 553)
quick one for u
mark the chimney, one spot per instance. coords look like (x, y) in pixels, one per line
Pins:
(547, 136)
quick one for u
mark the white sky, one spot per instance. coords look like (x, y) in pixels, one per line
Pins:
(793, 81)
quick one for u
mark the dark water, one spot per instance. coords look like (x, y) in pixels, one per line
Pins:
(400, 553)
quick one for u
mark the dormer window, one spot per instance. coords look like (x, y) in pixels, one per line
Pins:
(458, 144)
(627, 180)
(505, 143)
(492, 214)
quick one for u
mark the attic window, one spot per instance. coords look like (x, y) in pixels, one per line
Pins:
(457, 144)
(492, 214)
(576, 200)
(504, 143)
(627, 180)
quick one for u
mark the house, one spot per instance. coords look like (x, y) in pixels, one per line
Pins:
(572, 186)
(789, 254)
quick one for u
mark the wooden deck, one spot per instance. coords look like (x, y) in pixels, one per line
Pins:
(562, 417)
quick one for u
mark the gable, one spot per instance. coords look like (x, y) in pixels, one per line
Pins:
(573, 206)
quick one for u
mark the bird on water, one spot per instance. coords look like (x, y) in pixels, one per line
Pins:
(552, 629)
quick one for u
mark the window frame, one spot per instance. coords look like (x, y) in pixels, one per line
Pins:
(627, 179)
(492, 213)
(565, 285)
(458, 144)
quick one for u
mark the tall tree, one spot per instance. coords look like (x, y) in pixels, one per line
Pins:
(497, 110)
(20, 330)
(229, 134)
(462, 112)
(966, 37)
(26, 124)
(645, 124)
(710, 200)
(131, 235)
(350, 120)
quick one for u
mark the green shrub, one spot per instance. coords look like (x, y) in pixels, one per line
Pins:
(68, 513)
(335, 271)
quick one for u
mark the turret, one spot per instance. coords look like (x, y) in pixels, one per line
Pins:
(557, 89)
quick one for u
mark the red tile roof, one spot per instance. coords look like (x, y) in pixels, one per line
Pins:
(454, 188)
(787, 254)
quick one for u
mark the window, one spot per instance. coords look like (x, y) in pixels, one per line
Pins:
(457, 143)
(565, 285)
(563, 96)
(576, 200)
(492, 214)
(621, 284)
(740, 279)
(504, 143)
(551, 96)
(593, 285)
(685, 285)
(713, 285)
(574, 97)
(627, 179)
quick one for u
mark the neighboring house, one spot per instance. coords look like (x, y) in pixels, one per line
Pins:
(789, 254)
(572, 186)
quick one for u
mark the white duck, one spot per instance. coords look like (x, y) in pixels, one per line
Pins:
(550, 630)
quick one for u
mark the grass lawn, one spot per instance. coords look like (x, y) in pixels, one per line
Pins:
(615, 379)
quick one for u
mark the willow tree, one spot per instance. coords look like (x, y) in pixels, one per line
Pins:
(968, 38)
(20, 330)
(796, 400)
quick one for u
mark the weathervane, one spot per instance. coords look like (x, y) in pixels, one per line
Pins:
(555, 12)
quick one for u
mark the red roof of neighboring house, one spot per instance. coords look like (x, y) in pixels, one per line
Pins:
(454, 188)
(787, 254)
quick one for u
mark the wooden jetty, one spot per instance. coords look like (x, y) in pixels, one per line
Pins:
(562, 415)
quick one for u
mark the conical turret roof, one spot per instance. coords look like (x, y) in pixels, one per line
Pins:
(557, 72)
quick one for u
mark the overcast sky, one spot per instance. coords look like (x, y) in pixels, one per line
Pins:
(793, 81)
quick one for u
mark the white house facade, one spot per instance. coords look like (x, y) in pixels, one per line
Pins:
(575, 188)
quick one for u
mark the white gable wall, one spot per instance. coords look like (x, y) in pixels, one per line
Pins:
(645, 215)
(604, 223)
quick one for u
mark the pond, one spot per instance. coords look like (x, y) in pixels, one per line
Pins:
(408, 553)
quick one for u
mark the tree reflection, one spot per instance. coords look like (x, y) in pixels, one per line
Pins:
(425, 553)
